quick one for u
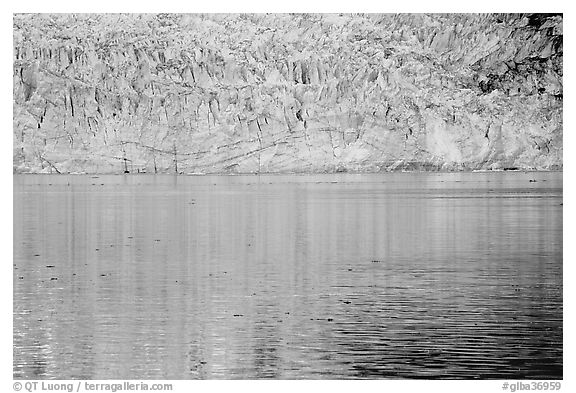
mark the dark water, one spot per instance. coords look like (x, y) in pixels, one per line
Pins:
(404, 275)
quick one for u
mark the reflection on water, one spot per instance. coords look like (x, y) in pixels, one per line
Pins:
(334, 276)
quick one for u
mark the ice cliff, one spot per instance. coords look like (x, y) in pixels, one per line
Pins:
(286, 93)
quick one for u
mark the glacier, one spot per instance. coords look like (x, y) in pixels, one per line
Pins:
(286, 93)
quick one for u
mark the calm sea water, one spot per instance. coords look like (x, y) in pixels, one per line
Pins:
(404, 275)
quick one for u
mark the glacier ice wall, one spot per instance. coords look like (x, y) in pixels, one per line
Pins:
(102, 93)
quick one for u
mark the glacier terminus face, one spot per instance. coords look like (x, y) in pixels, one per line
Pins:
(221, 93)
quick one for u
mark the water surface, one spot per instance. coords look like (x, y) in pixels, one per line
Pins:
(403, 275)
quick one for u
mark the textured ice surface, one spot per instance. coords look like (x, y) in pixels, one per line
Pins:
(286, 93)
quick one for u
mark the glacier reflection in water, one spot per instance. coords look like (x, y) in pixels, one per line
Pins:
(405, 275)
